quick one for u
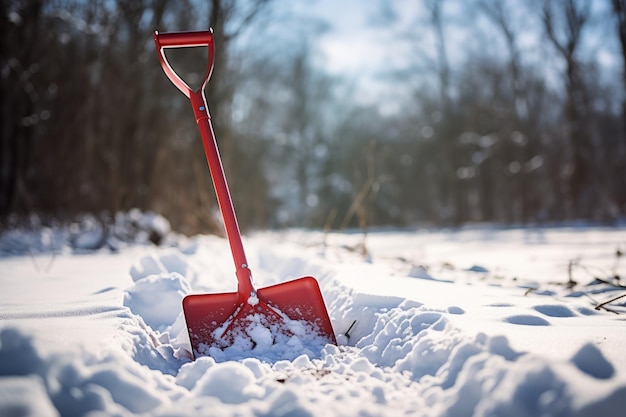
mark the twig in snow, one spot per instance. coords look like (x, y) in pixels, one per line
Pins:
(49, 243)
(603, 304)
(347, 333)
(529, 290)
(613, 284)
(36, 264)
(618, 257)
(328, 224)
(571, 283)
(32, 257)
(600, 306)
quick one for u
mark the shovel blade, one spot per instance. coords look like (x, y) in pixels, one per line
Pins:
(301, 300)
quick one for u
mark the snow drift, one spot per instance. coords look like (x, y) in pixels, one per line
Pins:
(430, 324)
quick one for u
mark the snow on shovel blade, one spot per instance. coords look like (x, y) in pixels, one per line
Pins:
(223, 319)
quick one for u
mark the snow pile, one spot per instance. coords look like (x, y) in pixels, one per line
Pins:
(103, 333)
(161, 283)
(86, 233)
(265, 339)
(454, 372)
(157, 298)
(76, 384)
(25, 396)
(32, 241)
(139, 227)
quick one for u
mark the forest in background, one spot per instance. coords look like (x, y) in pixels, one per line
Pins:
(90, 124)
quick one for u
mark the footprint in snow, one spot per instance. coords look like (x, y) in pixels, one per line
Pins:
(104, 290)
(455, 310)
(552, 310)
(527, 320)
(590, 360)
(478, 269)
(586, 311)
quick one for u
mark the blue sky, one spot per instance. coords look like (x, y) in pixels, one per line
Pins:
(366, 39)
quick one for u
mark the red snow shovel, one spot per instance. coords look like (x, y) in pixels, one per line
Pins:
(221, 320)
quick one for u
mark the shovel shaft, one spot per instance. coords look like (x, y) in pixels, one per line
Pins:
(201, 112)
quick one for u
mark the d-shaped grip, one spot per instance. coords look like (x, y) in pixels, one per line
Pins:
(184, 40)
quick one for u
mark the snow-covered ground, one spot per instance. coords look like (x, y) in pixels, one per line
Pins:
(473, 322)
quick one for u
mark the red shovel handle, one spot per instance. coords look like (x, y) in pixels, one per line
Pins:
(203, 119)
(185, 40)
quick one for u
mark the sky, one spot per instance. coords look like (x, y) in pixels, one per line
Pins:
(359, 44)
(366, 41)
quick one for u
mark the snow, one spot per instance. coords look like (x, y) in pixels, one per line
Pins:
(471, 322)
(157, 298)
(24, 396)
(267, 341)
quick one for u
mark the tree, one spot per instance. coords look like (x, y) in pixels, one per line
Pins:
(20, 42)
(522, 116)
(453, 204)
(619, 9)
(564, 23)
